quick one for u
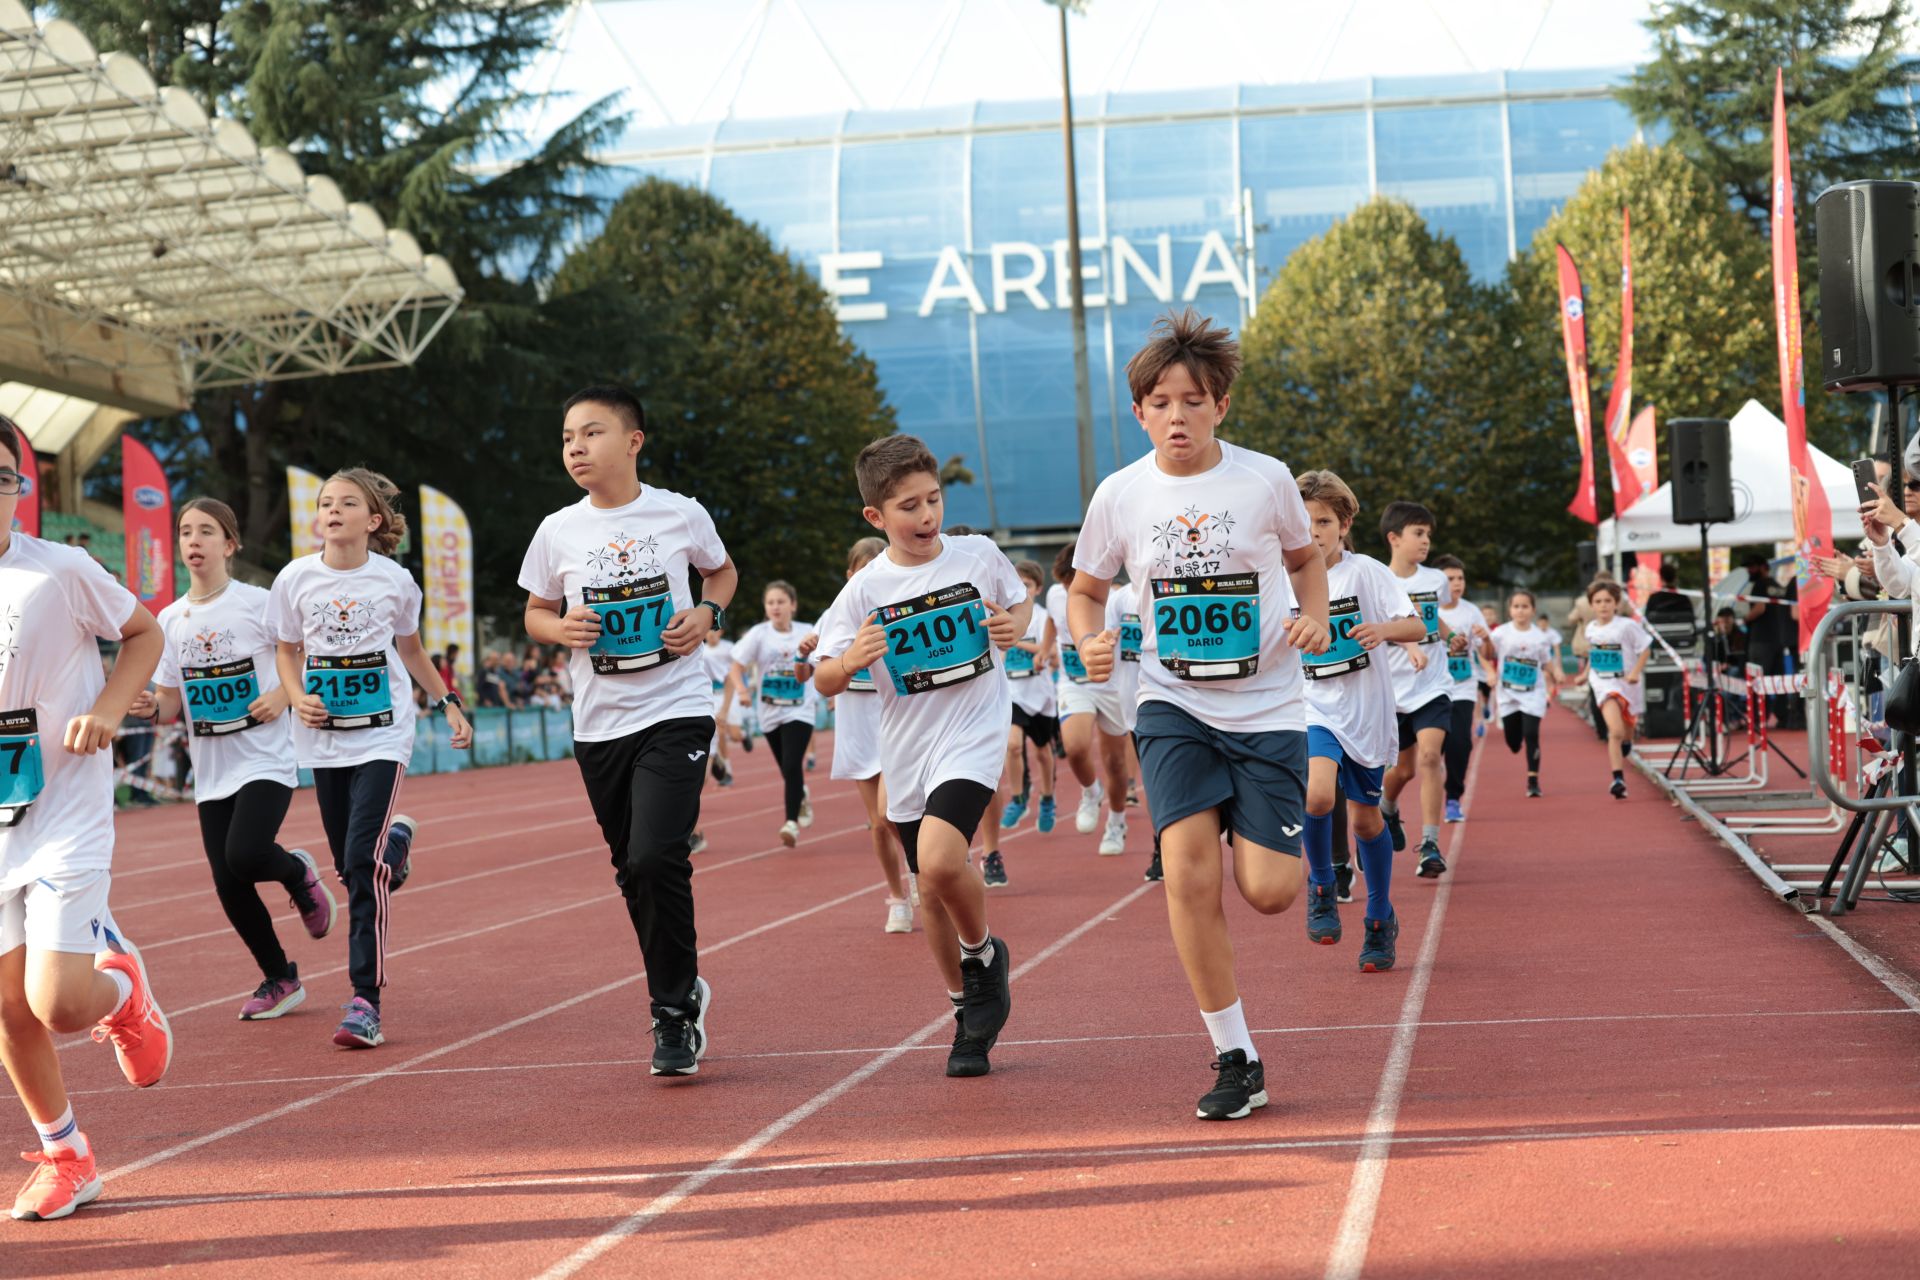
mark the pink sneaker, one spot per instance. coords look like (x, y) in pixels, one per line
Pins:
(312, 899)
(274, 997)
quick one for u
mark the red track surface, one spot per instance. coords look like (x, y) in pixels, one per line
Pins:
(1606, 1053)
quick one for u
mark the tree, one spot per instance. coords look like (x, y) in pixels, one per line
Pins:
(1375, 354)
(756, 401)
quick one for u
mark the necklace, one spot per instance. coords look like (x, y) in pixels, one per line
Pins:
(215, 594)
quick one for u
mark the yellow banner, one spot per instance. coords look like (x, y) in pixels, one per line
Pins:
(446, 559)
(303, 511)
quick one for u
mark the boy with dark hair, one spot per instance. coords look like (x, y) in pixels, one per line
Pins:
(1217, 540)
(1422, 685)
(1460, 618)
(924, 614)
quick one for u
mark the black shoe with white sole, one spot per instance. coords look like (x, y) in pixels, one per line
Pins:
(1432, 865)
(680, 1035)
(1239, 1086)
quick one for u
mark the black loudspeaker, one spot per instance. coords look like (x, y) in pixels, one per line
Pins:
(1666, 705)
(1869, 237)
(1589, 553)
(1700, 460)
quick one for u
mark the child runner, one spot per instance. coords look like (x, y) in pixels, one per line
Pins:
(218, 665)
(1491, 618)
(776, 651)
(608, 577)
(1123, 618)
(856, 756)
(1522, 655)
(1093, 726)
(1421, 683)
(64, 967)
(1035, 706)
(347, 623)
(1617, 649)
(1461, 619)
(1351, 726)
(925, 616)
(1217, 538)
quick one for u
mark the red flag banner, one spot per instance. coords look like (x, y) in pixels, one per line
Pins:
(1643, 465)
(1573, 335)
(1812, 520)
(147, 504)
(1626, 477)
(26, 513)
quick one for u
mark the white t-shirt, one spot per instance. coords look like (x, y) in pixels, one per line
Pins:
(719, 660)
(953, 725)
(1208, 553)
(1430, 592)
(1617, 644)
(1468, 620)
(220, 656)
(1521, 660)
(1123, 615)
(55, 603)
(781, 695)
(1027, 676)
(1068, 653)
(347, 620)
(631, 564)
(1349, 689)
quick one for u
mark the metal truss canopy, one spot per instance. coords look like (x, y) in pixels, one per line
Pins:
(148, 251)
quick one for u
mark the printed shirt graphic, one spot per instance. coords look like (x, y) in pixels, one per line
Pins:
(55, 602)
(957, 731)
(337, 613)
(1240, 517)
(660, 534)
(771, 658)
(1618, 643)
(229, 629)
(1532, 653)
(1412, 690)
(1461, 616)
(1357, 707)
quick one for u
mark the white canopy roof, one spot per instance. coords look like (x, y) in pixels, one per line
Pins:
(147, 250)
(1763, 511)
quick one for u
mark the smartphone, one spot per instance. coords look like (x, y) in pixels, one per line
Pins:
(1863, 475)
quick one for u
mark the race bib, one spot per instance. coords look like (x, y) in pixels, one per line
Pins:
(218, 697)
(782, 686)
(1460, 667)
(1428, 603)
(355, 689)
(1132, 634)
(861, 681)
(1344, 654)
(1522, 675)
(1208, 628)
(633, 617)
(22, 774)
(1607, 660)
(1020, 664)
(1071, 663)
(936, 640)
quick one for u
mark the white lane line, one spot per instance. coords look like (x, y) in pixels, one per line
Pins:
(692, 1183)
(1349, 1254)
(1904, 988)
(458, 1046)
(1057, 1156)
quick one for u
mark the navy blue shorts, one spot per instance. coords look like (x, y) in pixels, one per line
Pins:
(1358, 783)
(1258, 781)
(1437, 714)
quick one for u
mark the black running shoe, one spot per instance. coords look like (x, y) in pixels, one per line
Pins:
(1238, 1088)
(1343, 881)
(1619, 789)
(680, 1035)
(398, 853)
(1376, 954)
(1395, 829)
(1432, 864)
(1533, 788)
(1153, 868)
(987, 994)
(968, 1057)
(1323, 917)
(994, 871)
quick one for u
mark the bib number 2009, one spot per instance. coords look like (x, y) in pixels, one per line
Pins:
(218, 697)
(1208, 628)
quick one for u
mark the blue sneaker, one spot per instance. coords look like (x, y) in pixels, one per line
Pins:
(1044, 823)
(1016, 810)
(1323, 917)
(1376, 956)
(360, 1029)
(1480, 730)
(399, 851)
(1453, 812)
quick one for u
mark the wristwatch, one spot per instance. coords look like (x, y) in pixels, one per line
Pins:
(452, 699)
(719, 615)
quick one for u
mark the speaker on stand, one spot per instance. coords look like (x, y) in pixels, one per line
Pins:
(1700, 461)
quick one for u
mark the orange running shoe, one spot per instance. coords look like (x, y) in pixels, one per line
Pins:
(59, 1185)
(142, 1040)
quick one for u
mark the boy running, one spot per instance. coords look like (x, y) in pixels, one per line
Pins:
(1093, 727)
(1035, 718)
(1217, 540)
(608, 577)
(1461, 619)
(1617, 649)
(1421, 683)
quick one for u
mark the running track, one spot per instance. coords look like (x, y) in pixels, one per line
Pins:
(1606, 1053)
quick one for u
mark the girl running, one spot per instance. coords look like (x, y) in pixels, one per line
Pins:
(1522, 653)
(218, 667)
(856, 756)
(1617, 650)
(776, 652)
(347, 623)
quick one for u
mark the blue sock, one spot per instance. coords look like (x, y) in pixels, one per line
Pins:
(1376, 864)
(1320, 849)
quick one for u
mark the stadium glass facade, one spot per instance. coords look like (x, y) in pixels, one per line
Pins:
(941, 232)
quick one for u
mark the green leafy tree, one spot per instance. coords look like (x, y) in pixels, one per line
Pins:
(1376, 355)
(758, 403)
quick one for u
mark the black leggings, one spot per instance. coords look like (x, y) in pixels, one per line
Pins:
(1522, 727)
(1459, 747)
(356, 808)
(789, 742)
(241, 835)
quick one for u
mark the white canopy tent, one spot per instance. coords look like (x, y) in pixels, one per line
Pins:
(1763, 509)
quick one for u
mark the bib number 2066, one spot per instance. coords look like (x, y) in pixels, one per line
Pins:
(1208, 628)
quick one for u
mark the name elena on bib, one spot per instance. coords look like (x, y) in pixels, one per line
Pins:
(1207, 628)
(936, 640)
(356, 689)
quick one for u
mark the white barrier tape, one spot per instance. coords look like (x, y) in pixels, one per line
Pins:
(1795, 683)
(152, 786)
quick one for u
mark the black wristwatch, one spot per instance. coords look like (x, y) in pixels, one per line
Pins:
(451, 700)
(719, 615)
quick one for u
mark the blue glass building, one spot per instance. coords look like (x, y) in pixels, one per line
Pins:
(941, 231)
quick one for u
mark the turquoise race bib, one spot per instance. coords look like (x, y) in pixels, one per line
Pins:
(22, 773)
(633, 618)
(218, 697)
(1428, 603)
(1460, 667)
(1522, 675)
(782, 686)
(936, 640)
(1208, 628)
(355, 689)
(1132, 636)
(1070, 662)
(1607, 660)
(1344, 654)
(861, 681)
(1019, 663)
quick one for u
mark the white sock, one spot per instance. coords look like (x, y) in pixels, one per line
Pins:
(122, 984)
(62, 1135)
(1229, 1030)
(981, 951)
(958, 998)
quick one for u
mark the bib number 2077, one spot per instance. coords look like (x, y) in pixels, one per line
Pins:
(633, 620)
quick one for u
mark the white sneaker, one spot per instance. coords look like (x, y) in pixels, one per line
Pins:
(899, 916)
(1088, 816)
(806, 807)
(697, 845)
(789, 833)
(1114, 840)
